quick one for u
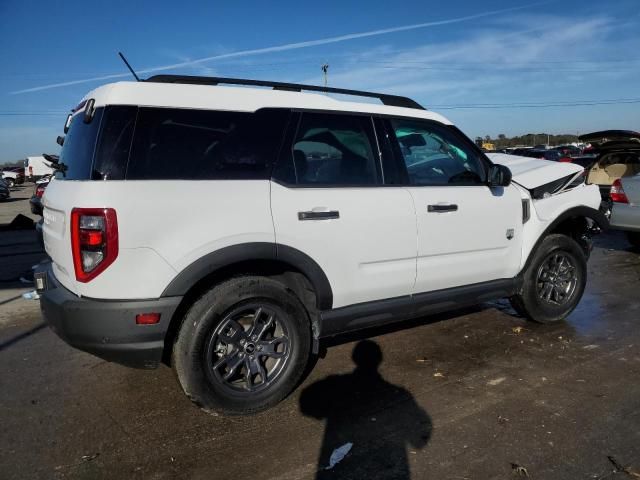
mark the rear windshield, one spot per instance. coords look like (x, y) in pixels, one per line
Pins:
(79, 145)
(128, 142)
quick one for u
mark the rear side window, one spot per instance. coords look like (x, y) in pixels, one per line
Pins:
(79, 145)
(114, 143)
(205, 145)
(334, 149)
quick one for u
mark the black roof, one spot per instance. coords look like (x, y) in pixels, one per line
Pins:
(390, 100)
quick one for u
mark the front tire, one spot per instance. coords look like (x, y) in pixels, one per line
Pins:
(10, 182)
(243, 346)
(553, 281)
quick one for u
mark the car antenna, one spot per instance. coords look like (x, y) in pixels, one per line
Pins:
(129, 66)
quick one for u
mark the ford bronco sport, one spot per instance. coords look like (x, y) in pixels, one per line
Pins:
(226, 230)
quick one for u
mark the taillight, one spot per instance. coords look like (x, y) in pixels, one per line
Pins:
(40, 190)
(94, 241)
(617, 193)
(565, 159)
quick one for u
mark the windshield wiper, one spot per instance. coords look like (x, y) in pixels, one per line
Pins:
(55, 164)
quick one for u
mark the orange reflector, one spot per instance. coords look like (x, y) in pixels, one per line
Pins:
(147, 318)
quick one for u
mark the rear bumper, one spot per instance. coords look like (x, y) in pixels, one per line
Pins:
(625, 217)
(106, 328)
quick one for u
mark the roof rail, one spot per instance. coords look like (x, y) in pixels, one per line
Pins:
(390, 100)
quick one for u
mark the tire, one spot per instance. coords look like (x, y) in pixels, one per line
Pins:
(218, 359)
(10, 182)
(634, 239)
(553, 281)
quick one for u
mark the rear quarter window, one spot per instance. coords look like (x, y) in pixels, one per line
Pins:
(205, 145)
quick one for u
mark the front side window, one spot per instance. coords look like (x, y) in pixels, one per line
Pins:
(334, 149)
(434, 155)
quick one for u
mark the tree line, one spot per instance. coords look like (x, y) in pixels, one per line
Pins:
(530, 139)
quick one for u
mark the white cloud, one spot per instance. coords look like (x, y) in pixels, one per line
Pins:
(289, 46)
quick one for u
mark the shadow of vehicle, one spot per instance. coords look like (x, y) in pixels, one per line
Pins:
(379, 419)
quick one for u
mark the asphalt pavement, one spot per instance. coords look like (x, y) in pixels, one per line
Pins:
(473, 394)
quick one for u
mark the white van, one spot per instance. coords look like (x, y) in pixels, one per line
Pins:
(36, 167)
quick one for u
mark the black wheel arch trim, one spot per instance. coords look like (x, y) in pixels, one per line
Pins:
(227, 256)
(575, 212)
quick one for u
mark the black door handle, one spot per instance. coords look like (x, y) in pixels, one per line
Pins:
(442, 208)
(318, 215)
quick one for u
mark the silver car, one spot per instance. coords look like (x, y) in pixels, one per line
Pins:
(625, 212)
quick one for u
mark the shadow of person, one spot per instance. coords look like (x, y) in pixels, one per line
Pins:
(379, 419)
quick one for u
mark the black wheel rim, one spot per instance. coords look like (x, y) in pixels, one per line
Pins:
(249, 348)
(557, 279)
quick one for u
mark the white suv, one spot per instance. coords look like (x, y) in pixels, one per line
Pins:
(227, 230)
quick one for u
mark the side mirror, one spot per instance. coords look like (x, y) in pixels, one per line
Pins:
(499, 176)
(60, 140)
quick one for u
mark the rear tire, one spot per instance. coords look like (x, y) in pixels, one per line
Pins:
(553, 281)
(634, 239)
(243, 346)
(10, 182)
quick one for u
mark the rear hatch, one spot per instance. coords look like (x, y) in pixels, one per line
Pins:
(617, 156)
(62, 194)
(608, 140)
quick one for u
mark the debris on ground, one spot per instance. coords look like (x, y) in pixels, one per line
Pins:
(519, 470)
(88, 458)
(502, 420)
(422, 360)
(620, 469)
(517, 330)
(590, 347)
(438, 374)
(338, 455)
(496, 381)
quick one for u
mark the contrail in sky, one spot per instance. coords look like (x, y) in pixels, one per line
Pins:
(288, 46)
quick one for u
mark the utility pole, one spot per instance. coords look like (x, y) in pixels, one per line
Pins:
(325, 73)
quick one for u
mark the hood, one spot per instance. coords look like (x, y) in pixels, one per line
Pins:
(531, 172)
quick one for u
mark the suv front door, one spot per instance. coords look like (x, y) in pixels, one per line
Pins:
(467, 232)
(328, 202)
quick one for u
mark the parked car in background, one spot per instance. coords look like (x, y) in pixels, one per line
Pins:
(625, 207)
(12, 177)
(617, 155)
(4, 189)
(569, 150)
(37, 167)
(35, 202)
(553, 155)
(519, 150)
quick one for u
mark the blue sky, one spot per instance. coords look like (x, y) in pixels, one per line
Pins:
(447, 55)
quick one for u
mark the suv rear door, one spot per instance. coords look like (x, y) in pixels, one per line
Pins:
(328, 201)
(467, 232)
